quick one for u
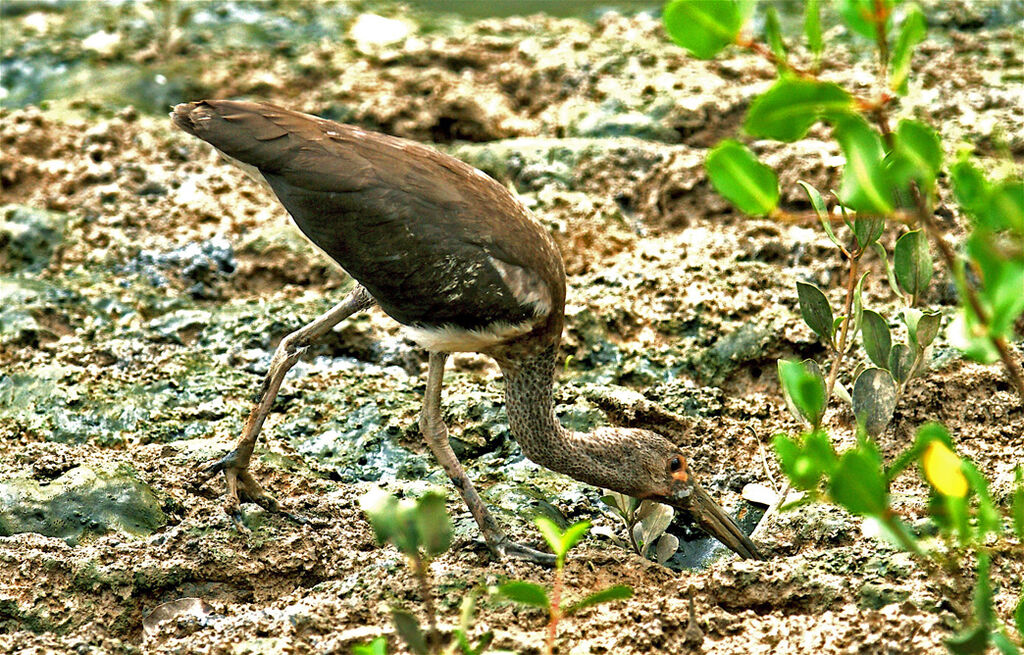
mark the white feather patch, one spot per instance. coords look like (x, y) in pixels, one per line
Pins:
(450, 339)
(526, 286)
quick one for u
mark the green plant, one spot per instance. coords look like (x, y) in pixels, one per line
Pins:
(535, 595)
(378, 646)
(889, 174)
(971, 527)
(421, 530)
(646, 523)
(890, 177)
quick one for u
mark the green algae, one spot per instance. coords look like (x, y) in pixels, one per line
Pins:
(83, 501)
(29, 237)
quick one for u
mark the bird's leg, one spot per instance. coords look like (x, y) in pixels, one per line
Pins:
(436, 433)
(235, 465)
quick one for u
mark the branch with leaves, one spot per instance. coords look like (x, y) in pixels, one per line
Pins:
(888, 176)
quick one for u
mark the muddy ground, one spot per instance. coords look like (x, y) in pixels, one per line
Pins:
(145, 284)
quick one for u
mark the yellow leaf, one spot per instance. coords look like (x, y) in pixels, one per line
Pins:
(942, 468)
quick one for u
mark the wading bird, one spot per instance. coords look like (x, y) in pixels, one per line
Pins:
(450, 254)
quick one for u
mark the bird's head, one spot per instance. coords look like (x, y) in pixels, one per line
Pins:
(653, 468)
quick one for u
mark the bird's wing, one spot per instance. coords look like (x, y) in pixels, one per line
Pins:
(435, 241)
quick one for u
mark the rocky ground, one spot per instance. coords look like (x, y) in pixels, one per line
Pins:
(145, 284)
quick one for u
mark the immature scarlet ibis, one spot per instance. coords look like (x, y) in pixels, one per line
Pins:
(450, 254)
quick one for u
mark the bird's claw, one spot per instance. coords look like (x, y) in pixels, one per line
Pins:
(506, 548)
(243, 487)
(212, 467)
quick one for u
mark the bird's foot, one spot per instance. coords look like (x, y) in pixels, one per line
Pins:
(242, 487)
(506, 548)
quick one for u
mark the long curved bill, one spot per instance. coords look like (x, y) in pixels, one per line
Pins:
(710, 516)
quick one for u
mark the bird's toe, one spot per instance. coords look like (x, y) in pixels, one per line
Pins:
(519, 551)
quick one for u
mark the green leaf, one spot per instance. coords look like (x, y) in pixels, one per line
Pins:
(787, 110)
(819, 208)
(877, 339)
(525, 593)
(1002, 279)
(806, 389)
(970, 641)
(926, 329)
(773, 35)
(970, 337)
(551, 533)
(912, 32)
(433, 523)
(867, 229)
(408, 628)
(983, 612)
(736, 173)
(1006, 207)
(1018, 616)
(1003, 644)
(466, 610)
(815, 310)
(665, 548)
(859, 16)
(818, 447)
(866, 186)
(812, 28)
(1018, 513)
(378, 646)
(561, 542)
(382, 510)
(805, 464)
(874, 400)
(883, 256)
(703, 28)
(912, 263)
(858, 483)
(572, 536)
(858, 307)
(970, 186)
(788, 452)
(617, 592)
(989, 520)
(917, 155)
(901, 359)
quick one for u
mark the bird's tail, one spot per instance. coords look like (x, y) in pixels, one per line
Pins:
(257, 134)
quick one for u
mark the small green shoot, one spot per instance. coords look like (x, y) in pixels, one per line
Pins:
(421, 530)
(535, 595)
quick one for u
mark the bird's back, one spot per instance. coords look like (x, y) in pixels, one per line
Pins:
(441, 246)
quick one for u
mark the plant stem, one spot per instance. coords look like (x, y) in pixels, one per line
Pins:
(865, 104)
(556, 608)
(1013, 370)
(812, 218)
(632, 539)
(924, 218)
(851, 285)
(419, 568)
(879, 18)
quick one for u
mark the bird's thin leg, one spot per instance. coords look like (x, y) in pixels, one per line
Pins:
(436, 433)
(235, 465)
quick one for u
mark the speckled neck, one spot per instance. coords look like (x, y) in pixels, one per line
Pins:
(601, 458)
(531, 407)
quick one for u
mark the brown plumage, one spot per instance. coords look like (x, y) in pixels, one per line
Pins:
(449, 253)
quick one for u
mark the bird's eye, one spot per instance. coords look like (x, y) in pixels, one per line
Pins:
(675, 463)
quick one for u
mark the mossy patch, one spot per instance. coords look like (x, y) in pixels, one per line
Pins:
(81, 502)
